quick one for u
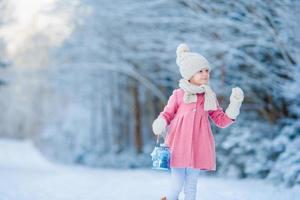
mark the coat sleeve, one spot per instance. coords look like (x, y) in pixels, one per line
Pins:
(220, 118)
(170, 109)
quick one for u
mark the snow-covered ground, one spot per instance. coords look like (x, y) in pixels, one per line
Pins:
(26, 175)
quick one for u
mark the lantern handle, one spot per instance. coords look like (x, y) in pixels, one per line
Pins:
(157, 138)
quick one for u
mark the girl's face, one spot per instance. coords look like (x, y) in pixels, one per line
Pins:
(201, 77)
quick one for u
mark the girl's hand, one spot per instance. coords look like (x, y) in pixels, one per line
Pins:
(237, 95)
(236, 99)
(159, 125)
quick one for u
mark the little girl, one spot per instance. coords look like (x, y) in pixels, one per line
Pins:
(189, 135)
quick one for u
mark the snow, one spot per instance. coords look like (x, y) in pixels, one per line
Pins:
(26, 175)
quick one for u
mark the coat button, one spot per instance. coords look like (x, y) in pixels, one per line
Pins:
(194, 110)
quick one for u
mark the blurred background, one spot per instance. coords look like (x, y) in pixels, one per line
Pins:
(84, 79)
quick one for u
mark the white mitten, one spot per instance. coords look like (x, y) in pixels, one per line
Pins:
(159, 125)
(236, 99)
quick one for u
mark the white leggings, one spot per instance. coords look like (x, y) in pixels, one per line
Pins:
(186, 177)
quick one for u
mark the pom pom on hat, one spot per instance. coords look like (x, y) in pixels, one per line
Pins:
(189, 62)
(182, 48)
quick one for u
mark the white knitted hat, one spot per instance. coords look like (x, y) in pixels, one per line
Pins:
(189, 62)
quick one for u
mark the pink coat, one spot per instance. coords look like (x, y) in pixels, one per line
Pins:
(189, 136)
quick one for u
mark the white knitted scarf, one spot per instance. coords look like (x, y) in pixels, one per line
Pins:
(190, 94)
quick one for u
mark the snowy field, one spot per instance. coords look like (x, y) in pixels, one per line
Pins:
(26, 175)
